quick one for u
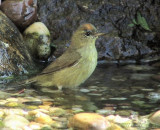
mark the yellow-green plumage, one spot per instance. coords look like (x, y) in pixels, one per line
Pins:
(75, 65)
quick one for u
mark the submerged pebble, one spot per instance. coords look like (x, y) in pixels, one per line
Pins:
(104, 111)
(140, 76)
(154, 96)
(84, 90)
(139, 67)
(118, 98)
(138, 95)
(119, 78)
(95, 94)
(77, 110)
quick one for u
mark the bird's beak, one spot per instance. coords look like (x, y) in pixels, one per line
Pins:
(100, 34)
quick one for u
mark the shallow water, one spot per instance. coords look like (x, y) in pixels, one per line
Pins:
(113, 87)
(127, 90)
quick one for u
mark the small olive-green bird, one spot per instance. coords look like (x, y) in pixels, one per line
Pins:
(75, 65)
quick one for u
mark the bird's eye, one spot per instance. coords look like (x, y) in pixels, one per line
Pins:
(88, 33)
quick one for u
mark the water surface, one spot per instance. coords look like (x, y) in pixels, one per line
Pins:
(115, 87)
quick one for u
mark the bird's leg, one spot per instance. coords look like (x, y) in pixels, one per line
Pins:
(59, 88)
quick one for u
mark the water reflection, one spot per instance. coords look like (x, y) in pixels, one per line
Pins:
(112, 87)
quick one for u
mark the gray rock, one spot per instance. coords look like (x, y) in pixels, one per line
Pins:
(123, 42)
(14, 56)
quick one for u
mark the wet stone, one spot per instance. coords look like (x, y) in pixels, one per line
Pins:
(37, 39)
(153, 96)
(77, 110)
(141, 76)
(139, 67)
(155, 118)
(12, 104)
(12, 99)
(125, 107)
(60, 119)
(89, 121)
(47, 103)
(115, 127)
(33, 102)
(138, 102)
(90, 106)
(93, 90)
(143, 123)
(3, 102)
(124, 122)
(31, 107)
(35, 126)
(135, 88)
(59, 125)
(15, 112)
(82, 98)
(1, 113)
(43, 118)
(119, 78)
(55, 111)
(84, 90)
(95, 94)
(32, 99)
(147, 90)
(138, 95)
(123, 113)
(44, 107)
(107, 112)
(48, 90)
(93, 87)
(34, 112)
(4, 95)
(15, 121)
(118, 98)
(46, 127)
(104, 111)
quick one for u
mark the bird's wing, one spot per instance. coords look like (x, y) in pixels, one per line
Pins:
(68, 59)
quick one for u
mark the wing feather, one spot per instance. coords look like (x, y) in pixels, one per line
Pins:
(68, 59)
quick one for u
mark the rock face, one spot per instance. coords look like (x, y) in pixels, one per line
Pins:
(133, 25)
(14, 57)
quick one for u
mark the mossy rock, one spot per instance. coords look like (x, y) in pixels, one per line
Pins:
(37, 39)
(14, 56)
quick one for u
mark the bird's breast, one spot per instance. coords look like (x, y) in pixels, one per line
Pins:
(89, 57)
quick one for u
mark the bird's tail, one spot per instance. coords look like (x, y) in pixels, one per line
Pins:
(27, 81)
(21, 83)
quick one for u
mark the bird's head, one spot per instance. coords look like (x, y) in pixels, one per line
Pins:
(85, 35)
